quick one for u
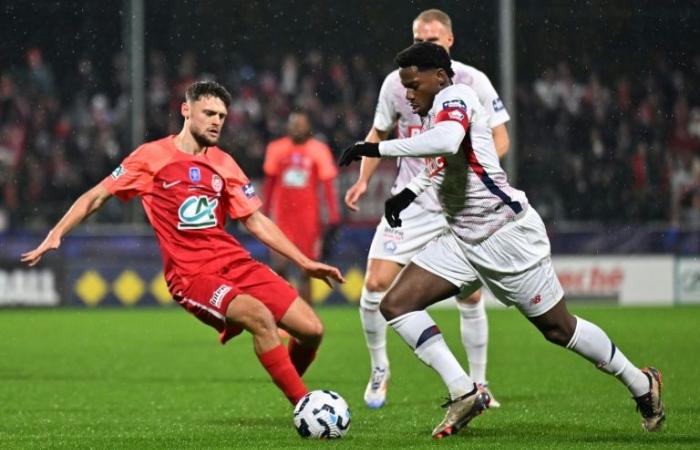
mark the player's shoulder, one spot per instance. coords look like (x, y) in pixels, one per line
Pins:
(223, 160)
(279, 143)
(453, 92)
(392, 81)
(470, 75)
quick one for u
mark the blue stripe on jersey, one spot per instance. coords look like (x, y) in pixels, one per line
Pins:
(490, 184)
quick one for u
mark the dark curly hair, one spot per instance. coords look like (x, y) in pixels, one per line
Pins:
(425, 55)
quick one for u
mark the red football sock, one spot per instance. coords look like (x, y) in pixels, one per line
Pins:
(301, 356)
(283, 373)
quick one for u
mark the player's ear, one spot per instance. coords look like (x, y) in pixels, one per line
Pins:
(185, 110)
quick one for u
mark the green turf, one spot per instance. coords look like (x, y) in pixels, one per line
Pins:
(159, 379)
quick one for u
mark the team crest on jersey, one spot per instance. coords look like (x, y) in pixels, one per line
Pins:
(456, 103)
(118, 172)
(197, 212)
(216, 183)
(248, 190)
(195, 174)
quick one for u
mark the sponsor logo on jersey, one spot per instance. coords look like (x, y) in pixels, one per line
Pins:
(497, 105)
(118, 172)
(435, 165)
(456, 103)
(219, 294)
(295, 177)
(216, 183)
(197, 212)
(195, 174)
(248, 190)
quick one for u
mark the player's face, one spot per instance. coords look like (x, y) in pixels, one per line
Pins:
(421, 87)
(206, 117)
(299, 127)
(434, 32)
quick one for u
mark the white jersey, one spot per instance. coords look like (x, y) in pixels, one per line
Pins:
(393, 110)
(462, 166)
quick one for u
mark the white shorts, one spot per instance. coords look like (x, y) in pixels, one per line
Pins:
(534, 288)
(418, 228)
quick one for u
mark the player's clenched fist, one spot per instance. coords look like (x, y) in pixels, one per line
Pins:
(356, 151)
(394, 205)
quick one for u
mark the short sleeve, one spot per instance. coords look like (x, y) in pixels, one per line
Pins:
(451, 106)
(271, 166)
(489, 98)
(132, 177)
(325, 163)
(385, 115)
(242, 198)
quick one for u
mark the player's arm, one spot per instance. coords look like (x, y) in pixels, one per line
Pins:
(269, 234)
(443, 139)
(83, 207)
(501, 139)
(367, 168)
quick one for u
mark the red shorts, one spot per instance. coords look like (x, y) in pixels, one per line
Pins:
(207, 297)
(307, 239)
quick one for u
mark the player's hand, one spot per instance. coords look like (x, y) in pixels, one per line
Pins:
(356, 151)
(32, 257)
(394, 205)
(323, 272)
(352, 196)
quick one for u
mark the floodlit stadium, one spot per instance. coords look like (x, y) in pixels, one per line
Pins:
(394, 253)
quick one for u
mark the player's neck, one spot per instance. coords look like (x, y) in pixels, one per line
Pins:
(186, 143)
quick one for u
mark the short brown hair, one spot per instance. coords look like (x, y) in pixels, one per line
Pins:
(430, 15)
(200, 89)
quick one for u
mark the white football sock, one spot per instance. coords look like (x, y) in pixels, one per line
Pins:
(419, 331)
(374, 327)
(593, 344)
(475, 336)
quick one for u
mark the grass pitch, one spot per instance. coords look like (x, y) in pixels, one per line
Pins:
(156, 378)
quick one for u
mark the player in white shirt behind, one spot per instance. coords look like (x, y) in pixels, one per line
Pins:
(423, 221)
(495, 238)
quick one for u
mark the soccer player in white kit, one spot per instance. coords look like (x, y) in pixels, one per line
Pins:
(495, 238)
(423, 221)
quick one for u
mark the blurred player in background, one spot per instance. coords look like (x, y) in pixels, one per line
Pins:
(295, 167)
(187, 186)
(392, 249)
(495, 238)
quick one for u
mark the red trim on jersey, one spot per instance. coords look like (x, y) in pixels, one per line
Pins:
(454, 114)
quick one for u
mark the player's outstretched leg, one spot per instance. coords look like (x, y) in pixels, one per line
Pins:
(591, 342)
(380, 275)
(404, 308)
(474, 328)
(306, 331)
(250, 314)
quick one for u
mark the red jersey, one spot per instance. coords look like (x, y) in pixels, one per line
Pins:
(298, 170)
(186, 198)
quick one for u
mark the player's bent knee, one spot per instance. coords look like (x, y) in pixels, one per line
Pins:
(377, 283)
(390, 308)
(470, 299)
(558, 335)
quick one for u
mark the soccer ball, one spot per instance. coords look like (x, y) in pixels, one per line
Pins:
(322, 415)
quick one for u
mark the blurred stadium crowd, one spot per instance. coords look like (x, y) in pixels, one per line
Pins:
(620, 149)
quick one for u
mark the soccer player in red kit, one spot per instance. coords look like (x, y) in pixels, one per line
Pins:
(295, 166)
(187, 186)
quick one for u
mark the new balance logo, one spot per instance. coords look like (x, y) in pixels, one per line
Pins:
(536, 299)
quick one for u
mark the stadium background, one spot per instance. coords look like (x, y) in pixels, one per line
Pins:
(607, 125)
